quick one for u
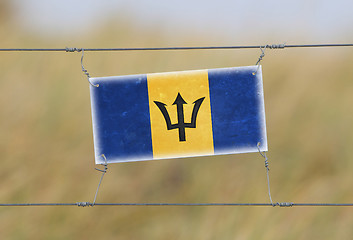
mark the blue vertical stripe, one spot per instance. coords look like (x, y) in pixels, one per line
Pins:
(121, 118)
(237, 109)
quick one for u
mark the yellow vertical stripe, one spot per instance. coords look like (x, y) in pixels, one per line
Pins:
(164, 88)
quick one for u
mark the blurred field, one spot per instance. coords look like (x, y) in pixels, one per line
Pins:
(46, 146)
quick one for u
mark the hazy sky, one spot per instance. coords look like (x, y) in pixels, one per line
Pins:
(314, 20)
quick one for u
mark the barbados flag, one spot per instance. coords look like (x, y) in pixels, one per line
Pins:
(178, 114)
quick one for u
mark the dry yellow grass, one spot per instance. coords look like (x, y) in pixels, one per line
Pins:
(47, 149)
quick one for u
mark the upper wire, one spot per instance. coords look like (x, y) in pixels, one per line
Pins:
(270, 46)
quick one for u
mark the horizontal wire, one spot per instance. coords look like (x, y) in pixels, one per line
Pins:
(272, 46)
(35, 204)
(87, 204)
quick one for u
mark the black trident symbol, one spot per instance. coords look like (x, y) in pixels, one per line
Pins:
(181, 125)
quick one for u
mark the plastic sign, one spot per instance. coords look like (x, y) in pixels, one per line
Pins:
(178, 114)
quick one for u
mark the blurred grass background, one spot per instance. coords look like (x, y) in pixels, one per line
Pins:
(46, 145)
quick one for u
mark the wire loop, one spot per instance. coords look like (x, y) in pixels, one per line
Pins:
(263, 154)
(103, 172)
(262, 55)
(83, 69)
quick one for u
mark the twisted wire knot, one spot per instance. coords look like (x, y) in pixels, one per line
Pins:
(85, 72)
(263, 154)
(276, 46)
(267, 164)
(261, 56)
(84, 204)
(67, 49)
(283, 204)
